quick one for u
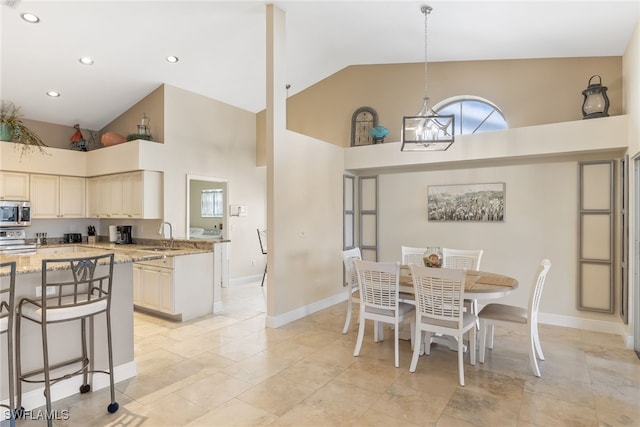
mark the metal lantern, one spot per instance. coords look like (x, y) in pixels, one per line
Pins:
(428, 130)
(596, 102)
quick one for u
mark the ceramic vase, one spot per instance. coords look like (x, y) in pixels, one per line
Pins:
(6, 132)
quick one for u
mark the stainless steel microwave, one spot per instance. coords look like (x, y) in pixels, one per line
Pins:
(15, 213)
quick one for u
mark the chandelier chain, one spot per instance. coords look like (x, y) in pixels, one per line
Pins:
(426, 10)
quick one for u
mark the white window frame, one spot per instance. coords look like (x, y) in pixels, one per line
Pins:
(459, 114)
(211, 203)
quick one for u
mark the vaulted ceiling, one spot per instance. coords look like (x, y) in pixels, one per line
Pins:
(221, 45)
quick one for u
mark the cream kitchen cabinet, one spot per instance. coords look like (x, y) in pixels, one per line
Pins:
(94, 189)
(180, 287)
(127, 195)
(153, 285)
(14, 186)
(54, 196)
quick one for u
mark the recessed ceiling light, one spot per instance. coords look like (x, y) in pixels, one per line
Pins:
(172, 59)
(53, 94)
(85, 60)
(30, 18)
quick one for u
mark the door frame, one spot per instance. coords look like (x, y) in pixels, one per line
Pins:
(225, 202)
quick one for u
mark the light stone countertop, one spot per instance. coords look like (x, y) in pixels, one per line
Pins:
(26, 264)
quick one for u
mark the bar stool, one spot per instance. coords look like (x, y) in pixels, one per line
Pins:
(82, 290)
(7, 307)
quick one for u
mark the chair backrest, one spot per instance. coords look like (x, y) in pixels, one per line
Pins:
(7, 295)
(461, 258)
(379, 283)
(412, 255)
(262, 238)
(350, 270)
(439, 293)
(536, 289)
(77, 281)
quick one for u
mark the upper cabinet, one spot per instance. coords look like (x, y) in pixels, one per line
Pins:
(127, 195)
(14, 186)
(54, 196)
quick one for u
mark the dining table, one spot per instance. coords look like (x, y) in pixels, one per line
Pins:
(478, 285)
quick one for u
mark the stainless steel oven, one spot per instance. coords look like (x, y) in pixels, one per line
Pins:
(15, 213)
(13, 241)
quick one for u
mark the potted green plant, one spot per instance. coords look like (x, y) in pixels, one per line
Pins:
(12, 128)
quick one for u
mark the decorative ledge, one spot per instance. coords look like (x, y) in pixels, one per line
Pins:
(602, 135)
(133, 155)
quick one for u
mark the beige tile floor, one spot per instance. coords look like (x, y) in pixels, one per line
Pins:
(228, 370)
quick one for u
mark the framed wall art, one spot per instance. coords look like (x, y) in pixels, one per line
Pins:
(466, 202)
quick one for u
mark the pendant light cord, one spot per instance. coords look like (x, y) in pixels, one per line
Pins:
(426, 10)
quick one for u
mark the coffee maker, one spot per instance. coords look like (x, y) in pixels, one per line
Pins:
(124, 235)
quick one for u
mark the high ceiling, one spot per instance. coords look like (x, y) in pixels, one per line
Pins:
(221, 45)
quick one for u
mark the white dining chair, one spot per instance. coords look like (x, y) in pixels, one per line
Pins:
(352, 282)
(466, 259)
(379, 299)
(413, 255)
(439, 309)
(494, 314)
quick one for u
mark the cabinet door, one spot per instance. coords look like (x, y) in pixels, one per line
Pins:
(137, 285)
(44, 196)
(72, 197)
(113, 196)
(14, 186)
(165, 283)
(92, 197)
(132, 194)
(150, 288)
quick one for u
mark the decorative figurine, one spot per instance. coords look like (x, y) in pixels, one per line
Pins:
(77, 140)
(144, 131)
(378, 133)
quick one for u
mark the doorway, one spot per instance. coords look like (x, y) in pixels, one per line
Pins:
(206, 208)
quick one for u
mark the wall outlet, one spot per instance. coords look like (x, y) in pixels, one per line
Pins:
(50, 291)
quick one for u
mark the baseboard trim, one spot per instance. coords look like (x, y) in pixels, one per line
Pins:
(217, 306)
(245, 280)
(299, 313)
(587, 324)
(543, 318)
(35, 398)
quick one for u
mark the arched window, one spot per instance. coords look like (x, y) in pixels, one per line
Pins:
(472, 114)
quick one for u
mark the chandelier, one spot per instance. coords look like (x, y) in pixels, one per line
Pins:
(427, 131)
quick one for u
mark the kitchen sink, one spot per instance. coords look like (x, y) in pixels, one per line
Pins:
(159, 249)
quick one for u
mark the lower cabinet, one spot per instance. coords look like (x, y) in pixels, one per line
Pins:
(153, 285)
(180, 287)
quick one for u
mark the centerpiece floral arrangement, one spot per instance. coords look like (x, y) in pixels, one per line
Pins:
(12, 129)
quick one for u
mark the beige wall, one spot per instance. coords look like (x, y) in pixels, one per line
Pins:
(307, 225)
(153, 106)
(304, 191)
(529, 92)
(207, 138)
(541, 221)
(59, 136)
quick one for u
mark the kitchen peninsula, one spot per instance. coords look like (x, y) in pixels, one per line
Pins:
(64, 337)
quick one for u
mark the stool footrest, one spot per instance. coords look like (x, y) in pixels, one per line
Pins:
(85, 362)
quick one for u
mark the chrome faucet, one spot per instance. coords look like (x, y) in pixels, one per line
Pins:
(161, 231)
